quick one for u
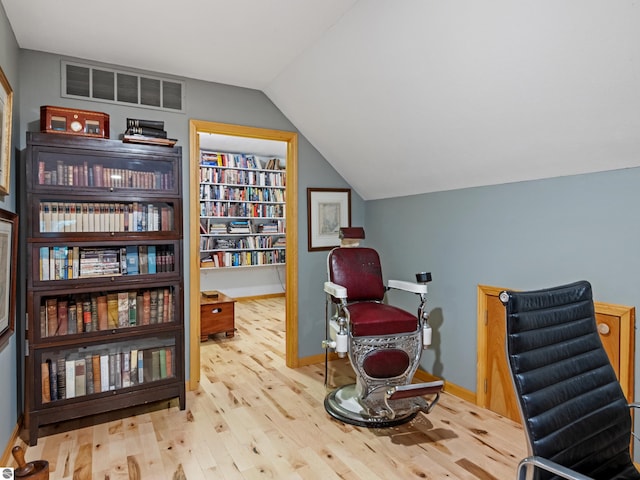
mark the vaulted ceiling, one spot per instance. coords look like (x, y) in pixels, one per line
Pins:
(401, 97)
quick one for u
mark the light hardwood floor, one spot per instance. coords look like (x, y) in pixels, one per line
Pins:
(254, 418)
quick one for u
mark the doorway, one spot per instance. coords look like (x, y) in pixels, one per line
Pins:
(291, 213)
(616, 325)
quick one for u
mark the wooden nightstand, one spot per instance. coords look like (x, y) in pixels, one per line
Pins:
(217, 315)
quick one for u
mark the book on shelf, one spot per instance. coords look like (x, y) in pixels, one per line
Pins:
(140, 122)
(45, 382)
(123, 309)
(104, 372)
(53, 378)
(132, 260)
(97, 373)
(133, 311)
(133, 364)
(62, 376)
(146, 140)
(70, 378)
(143, 260)
(151, 259)
(52, 316)
(126, 369)
(112, 310)
(88, 369)
(80, 377)
(147, 132)
(103, 312)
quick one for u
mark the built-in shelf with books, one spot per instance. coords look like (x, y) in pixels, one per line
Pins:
(104, 277)
(242, 210)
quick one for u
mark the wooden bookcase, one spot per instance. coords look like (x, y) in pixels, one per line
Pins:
(104, 277)
(242, 210)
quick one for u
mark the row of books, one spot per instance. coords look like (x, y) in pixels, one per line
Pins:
(239, 160)
(95, 312)
(251, 194)
(70, 173)
(218, 208)
(63, 378)
(213, 227)
(243, 243)
(105, 217)
(243, 259)
(67, 263)
(254, 178)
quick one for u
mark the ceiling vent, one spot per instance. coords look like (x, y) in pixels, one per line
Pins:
(101, 84)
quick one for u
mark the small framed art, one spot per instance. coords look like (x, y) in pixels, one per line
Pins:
(328, 209)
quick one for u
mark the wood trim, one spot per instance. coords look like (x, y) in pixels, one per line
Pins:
(627, 317)
(291, 252)
(259, 297)
(483, 292)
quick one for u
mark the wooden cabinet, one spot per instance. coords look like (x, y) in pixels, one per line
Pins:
(217, 315)
(242, 210)
(104, 277)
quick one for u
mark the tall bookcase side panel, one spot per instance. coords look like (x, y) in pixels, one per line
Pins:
(242, 210)
(104, 277)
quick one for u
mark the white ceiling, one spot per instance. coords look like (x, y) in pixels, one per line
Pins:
(401, 97)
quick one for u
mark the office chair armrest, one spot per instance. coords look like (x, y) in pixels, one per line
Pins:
(549, 466)
(335, 290)
(408, 286)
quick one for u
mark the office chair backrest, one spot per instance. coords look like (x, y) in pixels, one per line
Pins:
(573, 409)
(358, 269)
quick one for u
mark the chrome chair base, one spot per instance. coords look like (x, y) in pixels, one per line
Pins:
(342, 404)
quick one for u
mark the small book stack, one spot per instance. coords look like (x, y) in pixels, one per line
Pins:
(150, 132)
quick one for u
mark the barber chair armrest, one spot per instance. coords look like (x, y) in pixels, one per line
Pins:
(335, 290)
(549, 466)
(408, 286)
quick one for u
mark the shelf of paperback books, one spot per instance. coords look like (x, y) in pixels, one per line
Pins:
(88, 261)
(242, 210)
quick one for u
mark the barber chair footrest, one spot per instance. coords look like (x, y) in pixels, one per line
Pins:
(400, 392)
(393, 406)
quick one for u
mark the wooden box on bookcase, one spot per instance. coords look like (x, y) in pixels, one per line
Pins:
(104, 277)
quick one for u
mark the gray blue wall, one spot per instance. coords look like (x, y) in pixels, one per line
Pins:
(521, 235)
(9, 53)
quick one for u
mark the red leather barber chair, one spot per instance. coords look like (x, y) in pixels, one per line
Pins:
(384, 343)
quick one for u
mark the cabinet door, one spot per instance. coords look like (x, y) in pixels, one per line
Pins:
(70, 373)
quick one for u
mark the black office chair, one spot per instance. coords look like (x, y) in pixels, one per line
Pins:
(575, 415)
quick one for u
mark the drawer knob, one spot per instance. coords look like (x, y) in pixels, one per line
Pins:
(603, 329)
(216, 310)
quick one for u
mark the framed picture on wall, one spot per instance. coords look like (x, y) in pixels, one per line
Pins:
(6, 106)
(8, 260)
(328, 209)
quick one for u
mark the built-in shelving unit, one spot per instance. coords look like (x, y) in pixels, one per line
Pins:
(242, 210)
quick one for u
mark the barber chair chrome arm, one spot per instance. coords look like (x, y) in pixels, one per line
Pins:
(338, 324)
(420, 289)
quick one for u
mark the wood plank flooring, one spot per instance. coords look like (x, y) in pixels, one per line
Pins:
(254, 418)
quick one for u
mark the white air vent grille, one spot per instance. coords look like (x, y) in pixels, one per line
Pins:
(114, 86)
